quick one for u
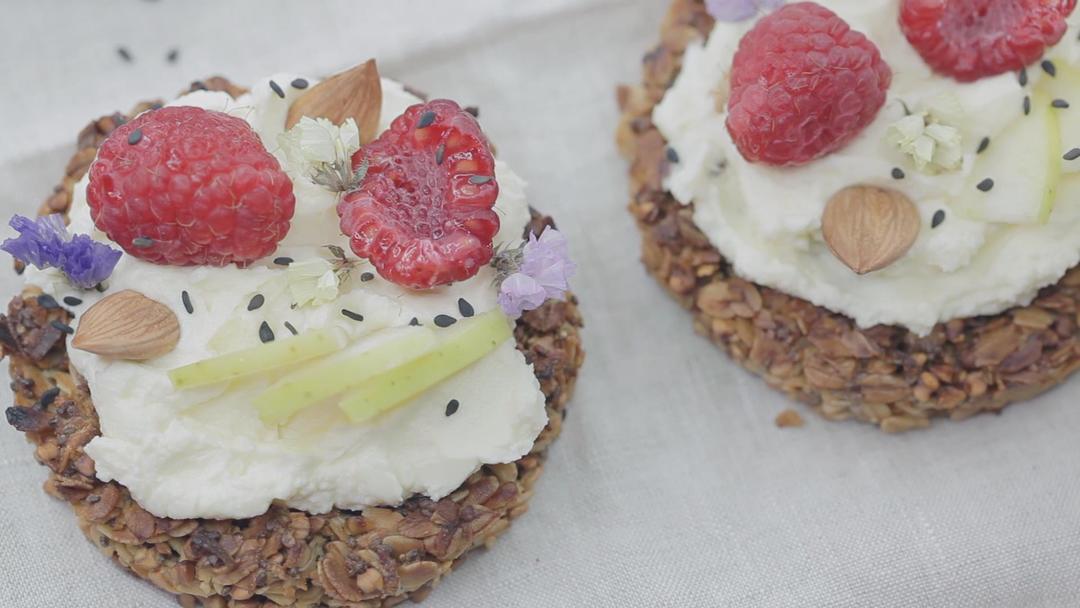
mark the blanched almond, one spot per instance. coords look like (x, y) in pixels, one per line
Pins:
(867, 228)
(355, 93)
(128, 325)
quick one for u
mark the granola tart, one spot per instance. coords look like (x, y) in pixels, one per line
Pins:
(883, 373)
(364, 557)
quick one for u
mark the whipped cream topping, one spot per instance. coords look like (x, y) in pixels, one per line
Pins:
(767, 220)
(205, 453)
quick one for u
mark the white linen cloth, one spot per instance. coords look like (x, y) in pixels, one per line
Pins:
(670, 486)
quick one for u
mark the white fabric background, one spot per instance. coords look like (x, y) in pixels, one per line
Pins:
(670, 486)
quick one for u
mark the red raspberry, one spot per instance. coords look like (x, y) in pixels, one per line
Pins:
(423, 213)
(803, 84)
(969, 39)
(186, 186)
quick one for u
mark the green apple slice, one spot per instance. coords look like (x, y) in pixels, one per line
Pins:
(459, 347)
(258, 359)
(1024, 163)
(341, 372)
(1066, 85)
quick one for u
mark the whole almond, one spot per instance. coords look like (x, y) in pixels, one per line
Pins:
(127, 325)
(867, 228)
(355, 93)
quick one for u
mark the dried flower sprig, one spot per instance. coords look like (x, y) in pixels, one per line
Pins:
(318, 281)
(739, 10)
(929, 138)
(44, 242)
(533, 273)
(323, 151)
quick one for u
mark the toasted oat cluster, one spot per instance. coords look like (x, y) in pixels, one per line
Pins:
(885, 375)
(378, 557)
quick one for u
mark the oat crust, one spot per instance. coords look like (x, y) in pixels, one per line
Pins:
(884, 375)
(374, 558)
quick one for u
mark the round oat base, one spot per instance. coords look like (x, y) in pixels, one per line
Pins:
(374, 558)
(884, 375)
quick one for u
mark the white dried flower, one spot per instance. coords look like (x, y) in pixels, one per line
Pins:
(323, 151)
(932, 145)
(312, 282)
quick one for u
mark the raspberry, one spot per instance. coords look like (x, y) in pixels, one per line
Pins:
(803, 84)
(423, 212)
(969, 39)
(186, 186)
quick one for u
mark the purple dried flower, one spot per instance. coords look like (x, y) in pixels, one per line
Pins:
(44, 242)
(520, 292)
(88, 262)
(543, 273)
(40, 241)
(738, 10)
(547, 260)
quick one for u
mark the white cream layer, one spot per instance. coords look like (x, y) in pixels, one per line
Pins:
(204, 453)
(767, 220)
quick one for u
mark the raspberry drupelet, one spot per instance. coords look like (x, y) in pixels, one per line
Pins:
(186, 186)
(803, 84)
(423, 214)
(971, 39)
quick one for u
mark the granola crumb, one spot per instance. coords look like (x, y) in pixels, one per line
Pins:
(789, 418)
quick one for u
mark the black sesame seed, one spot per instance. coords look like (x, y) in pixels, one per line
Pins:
(299, 83)
(444, 320)
(425, 120)
(1027, 105)
(283, 261)
(897, 173)
(48, 302)
(480, 179)
(1072, 154)
(939, 216)
(64, 327)
(355, 316)
(367, 276)
(465, 308)
(142, 242)
(135, 137)
(440, 154)
(1023, 77)
(265, 333)
(1048, 67)
(475, 111)
(452, 407)
(983, 145)
(1060, 104)
(985, 185)
(277, 89)
(414, 322)
(172, 55)
(256, 302)
(292, 330)
(124, 53)
(185, 297)
(72, 301)
(49, 396)
(672, 155)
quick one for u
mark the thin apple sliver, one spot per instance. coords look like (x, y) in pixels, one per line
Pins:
(339, 373)
(257, 359)
(459, 347)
